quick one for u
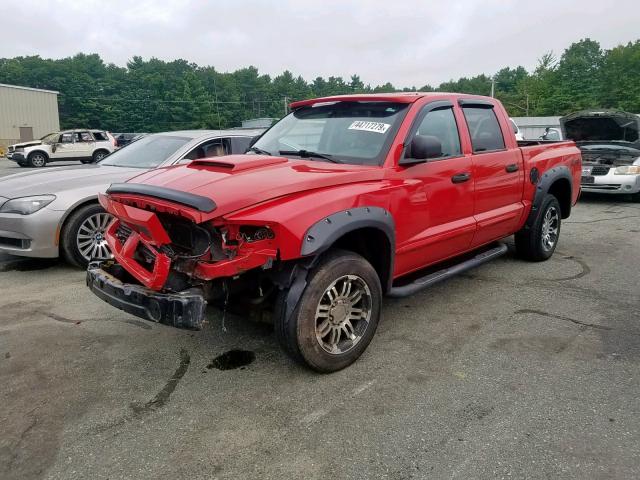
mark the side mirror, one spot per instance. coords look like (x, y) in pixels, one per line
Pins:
(421, 149)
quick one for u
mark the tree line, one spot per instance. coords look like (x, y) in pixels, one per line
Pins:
(155, 95)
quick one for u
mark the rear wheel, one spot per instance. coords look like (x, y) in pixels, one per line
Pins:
(97, 156)
(37, 159)
(336, 316)
(538, 242)
(83, 236)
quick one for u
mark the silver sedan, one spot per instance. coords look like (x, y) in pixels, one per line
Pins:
(56, 212)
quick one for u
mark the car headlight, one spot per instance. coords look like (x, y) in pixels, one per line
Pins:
(627, 170)
(27, 205)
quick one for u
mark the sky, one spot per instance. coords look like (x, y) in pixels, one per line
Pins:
(408, 43)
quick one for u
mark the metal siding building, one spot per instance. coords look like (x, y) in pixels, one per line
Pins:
(533, 127)
(26, 114)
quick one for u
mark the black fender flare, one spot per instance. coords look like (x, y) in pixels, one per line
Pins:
(322, 234)
(543, 184)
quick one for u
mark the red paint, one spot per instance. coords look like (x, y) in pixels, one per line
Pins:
(435, 219)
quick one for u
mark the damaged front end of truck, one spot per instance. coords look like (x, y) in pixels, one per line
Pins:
(172, 255)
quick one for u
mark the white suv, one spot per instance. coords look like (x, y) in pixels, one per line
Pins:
(84, 145)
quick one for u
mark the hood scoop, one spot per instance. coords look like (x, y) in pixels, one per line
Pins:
(237, 163)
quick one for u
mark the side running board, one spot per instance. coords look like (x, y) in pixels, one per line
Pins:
(435, 277)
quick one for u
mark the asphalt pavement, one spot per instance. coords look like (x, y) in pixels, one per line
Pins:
(513, 370)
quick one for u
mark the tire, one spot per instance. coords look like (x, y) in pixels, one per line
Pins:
(86, 224)
(97, 156)
(312, 335)
(538, 243)
(37, 159)
(84, 162)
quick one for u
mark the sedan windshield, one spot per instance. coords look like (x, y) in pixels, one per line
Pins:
(339, 132)
(148, 152)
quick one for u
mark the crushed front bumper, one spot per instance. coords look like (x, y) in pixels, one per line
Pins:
(181, 310)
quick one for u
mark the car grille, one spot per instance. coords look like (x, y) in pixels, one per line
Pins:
(599, 170)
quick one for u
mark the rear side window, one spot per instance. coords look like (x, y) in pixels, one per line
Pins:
(485, 131)
(100, 136)
(441, 124)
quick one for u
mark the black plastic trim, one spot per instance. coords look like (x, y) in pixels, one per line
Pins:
(471, 102)
(320, 236)
(198, 202)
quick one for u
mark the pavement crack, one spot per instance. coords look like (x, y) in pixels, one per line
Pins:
(561, 317)
(163, 395)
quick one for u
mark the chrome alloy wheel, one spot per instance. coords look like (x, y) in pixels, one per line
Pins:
(343, 314)
(91, 240)
(550, 229)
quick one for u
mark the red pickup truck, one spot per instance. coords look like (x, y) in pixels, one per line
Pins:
(344, 200)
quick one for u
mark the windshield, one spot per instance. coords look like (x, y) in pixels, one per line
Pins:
(343, 132)
(50, 138)
(148, 152)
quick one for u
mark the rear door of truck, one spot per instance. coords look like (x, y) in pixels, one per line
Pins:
(497, 170)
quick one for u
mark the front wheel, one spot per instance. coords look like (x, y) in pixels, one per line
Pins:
(37, 160)
(83, 236)
(538, 242)
(336, 315)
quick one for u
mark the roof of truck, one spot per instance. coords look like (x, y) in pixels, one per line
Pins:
(396, 97)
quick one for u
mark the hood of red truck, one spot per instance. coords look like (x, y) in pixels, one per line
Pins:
(238, 181)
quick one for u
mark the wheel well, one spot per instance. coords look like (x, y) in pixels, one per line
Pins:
(561, 189)
(38, 151)
(63, 222)
(100, 150)
(374, 245)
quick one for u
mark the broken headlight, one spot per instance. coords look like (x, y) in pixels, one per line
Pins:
(250, 233)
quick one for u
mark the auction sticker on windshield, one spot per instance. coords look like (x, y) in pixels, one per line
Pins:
(376, 127)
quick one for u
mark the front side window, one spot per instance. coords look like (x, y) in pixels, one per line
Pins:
(148, 152)
(66, 138)
(83, 137)
(485, 131)
(342, 132)
(441, 124)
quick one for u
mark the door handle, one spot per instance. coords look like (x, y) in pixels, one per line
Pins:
(460, 177)
(513, 167)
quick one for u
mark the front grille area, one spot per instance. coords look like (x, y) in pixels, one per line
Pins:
(599, 170)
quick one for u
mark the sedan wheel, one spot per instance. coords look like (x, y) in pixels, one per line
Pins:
(83, 235)
(91, 240)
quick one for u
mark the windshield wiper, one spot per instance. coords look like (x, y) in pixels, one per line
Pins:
(259, 151)
(308, 154)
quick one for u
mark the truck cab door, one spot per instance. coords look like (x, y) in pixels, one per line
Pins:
(436, 219)
(498, 173)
